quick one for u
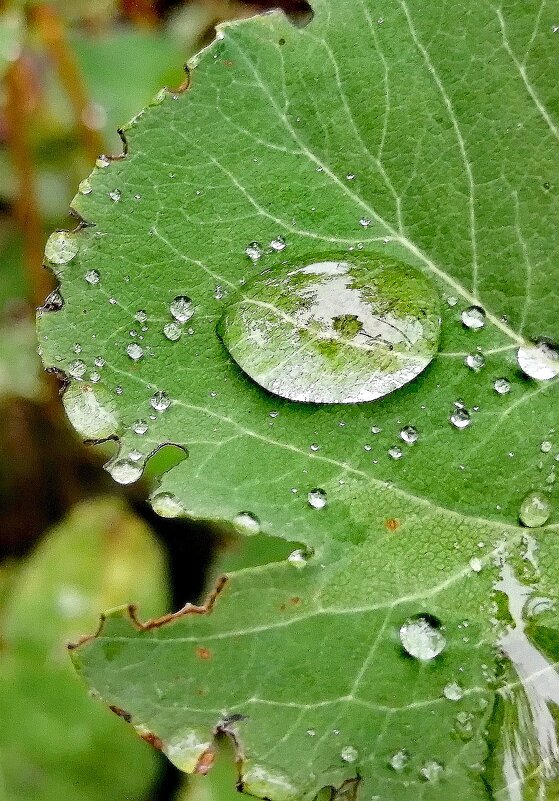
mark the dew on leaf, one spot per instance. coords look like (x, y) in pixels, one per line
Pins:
(395, 452)
(135, 455)
(314, 447)
(453, 691)
(422, 637)
(278, 244)
(53, 302)
(90, 411)
(160, 401)
(464, 725)
(376, 429)
(61, 248)
(476, 564)
(115, 195)
(535, 510)
(94, 377)
(475, 361)
(134, 351)
(317, 498)
(452, 301)
(182, 308)
(432, 770)
(298, 559)
(399, 760)
(473, 317)
(539, 360)
(460, 418)
(77, 369)
(254, 251)
(100, 361)
(349, 753)
(92, 277)
(141, 316)
(85, 187)
(125, 471)
(102, 162)
(501, 386)
(247, 522)
(172, 331)
(409, 434)
(165, 504)
(140, 427)
(334, 332)
(365, 222)
(546, 446)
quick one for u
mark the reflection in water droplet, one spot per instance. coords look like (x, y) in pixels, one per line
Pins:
(77, 369)
(160, 401)
(460, 418)
(254, 251)
(409, 434)
(473, 317)
(399, 760)
(182, 308)
(501, 386)
(134, 351)
(349, 753)
(172, 331)
(317, 498)
(539, 360)
(298, 559)
(453, 691)
(422, 637)
(125, 471)
(432, 770)
(248, 522)
(475, 361)
(61, 248)
(167, 505)
(334, 332)
(535, 510)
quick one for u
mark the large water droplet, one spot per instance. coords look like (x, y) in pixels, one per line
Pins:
(160, 401)
(77, 369)
(473, 317)
(247, 522)
(422, 637)
(349, 753)
(535, 510)
(61, 248)
(134, 351)
(182, 308)
(334, 331)
(172, 331)
(125, 471)
(167, 505)
(91, 411)
(317, 498)
(453, 691)
(475, 361)
(539, 360)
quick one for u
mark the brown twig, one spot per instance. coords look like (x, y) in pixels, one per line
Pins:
(51, 31)
(26, 206)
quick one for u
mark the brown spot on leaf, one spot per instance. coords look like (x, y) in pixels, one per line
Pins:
(205, 762)
(203, 653)
(152, 739)
(295, 601)
(392, 524)
(121, 713)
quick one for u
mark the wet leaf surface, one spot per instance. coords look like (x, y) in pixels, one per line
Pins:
(427, 136)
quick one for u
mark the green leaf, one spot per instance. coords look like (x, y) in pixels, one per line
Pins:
(429, 136)
(54, 738)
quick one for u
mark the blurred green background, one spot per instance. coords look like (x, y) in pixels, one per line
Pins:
(72, 542)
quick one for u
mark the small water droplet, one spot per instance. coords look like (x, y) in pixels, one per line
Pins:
(376, 429)
(140, 427)
(535, 510)
(135, 455)
(311, 732)
(422, 637)
(254, 251)
(501, 386)
(77, 369)
(349, 753)
(77, 348)
(94, 377)
(546, 446)
(125, 471)
(100, 361)
(395, 452)
(539, 360)
(399, 760)
(452, 301)
(103, 161)
(92, 277)
(172, 331)
(314, 447)
(464, 725)
(336, 331)
(118, 390)
(476, 564)
(141, 316)
(460, 418)
(53, 302)
(134, 351)
(409, 434)
(317, 498)
(85, 187)
(219, 294)
(160, 401)
(453, 691)
(61, 247)
(475, 361)
(278, 244)
(473, 317)
(248, 522)
(182, 308)
(165, 504)
(365, 222)
(432, 770)
(115, 195)
(298, 559)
